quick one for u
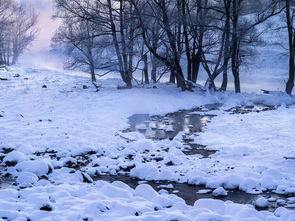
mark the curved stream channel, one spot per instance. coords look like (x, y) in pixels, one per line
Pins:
(190, 122)
(167, 127)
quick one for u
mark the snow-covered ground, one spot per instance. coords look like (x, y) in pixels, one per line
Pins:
(49, 119)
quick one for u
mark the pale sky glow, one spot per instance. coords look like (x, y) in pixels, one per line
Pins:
(46, 26)
(38, 55)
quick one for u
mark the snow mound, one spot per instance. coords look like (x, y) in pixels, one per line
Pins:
(14, 157)
(219, 192)
(261, 202)
(26, 179)
(39, 167)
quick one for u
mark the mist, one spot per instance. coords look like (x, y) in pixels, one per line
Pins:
(39, 54)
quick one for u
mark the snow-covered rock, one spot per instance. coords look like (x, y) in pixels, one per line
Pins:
(143, 145)
(14, 157)
(145, 191)
(204, 191)
(212, 205)
(249, 185)
(262, 202)
(219, 192)
(231, 181)
(268, 182)
(145, 171)
(39, 167)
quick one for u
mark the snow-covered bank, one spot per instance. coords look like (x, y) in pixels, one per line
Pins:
(116, 201)
(44, 109)
(62, 115)
(259, 146)
(66, 117)
(254, 154)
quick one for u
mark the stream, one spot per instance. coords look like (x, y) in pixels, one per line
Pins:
(190, 122)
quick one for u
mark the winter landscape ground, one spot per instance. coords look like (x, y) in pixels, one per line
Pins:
(61, 142)
(147, 110)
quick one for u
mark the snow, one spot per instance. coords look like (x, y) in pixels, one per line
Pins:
(219, 192)
(257, 158)
(14, 157)
(39, 167)
(261, 202)
(53, 131)
(249, 185)
(117, 201)
(142, 145)
(204, 191)
(26, 179)
(145, 171)
(145, 190)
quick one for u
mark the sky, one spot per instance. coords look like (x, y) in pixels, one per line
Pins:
(38, 53)
(47, 26)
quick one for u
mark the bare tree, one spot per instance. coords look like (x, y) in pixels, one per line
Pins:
(114, 18)
(84, 44)
(24, 30)
(239, 33)
(164, 12)
(18, 30)
(184, 35)
(6, 12)
(244, 32)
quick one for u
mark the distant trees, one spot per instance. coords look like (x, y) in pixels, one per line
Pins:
(184, 36)
(18, 30)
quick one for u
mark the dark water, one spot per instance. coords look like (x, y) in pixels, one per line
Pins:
(249, 109)
(195, 149)
(4, 181)
(168, 126)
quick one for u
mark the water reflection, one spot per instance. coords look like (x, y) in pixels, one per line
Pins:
(167, 127)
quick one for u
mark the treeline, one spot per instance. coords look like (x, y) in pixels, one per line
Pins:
(17, 30)
(175, 36)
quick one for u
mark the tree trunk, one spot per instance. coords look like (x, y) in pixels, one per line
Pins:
(154, 68)
(92, 72)
(291, 35)
(290, 82)
(197, 58)
(172, 77)
(186, 41)
(226, 46)
(235, 48)
(235, 67)
(175, 63)
(130, 44)
(124, 75)
(196, 62)
(224, 83)
(145, 69)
